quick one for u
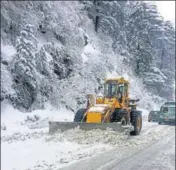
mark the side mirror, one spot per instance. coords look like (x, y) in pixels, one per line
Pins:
(100, 87)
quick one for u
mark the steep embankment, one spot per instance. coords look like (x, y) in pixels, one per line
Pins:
(52, 54)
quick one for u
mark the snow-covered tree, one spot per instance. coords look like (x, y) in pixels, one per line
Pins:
(70, 46)
(23, 68)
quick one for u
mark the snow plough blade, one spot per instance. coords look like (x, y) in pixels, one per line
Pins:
(63, 126)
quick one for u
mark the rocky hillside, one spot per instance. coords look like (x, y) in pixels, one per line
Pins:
(57, 52)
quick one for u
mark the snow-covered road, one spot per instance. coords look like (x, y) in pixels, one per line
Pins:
(156, 153)
(158, 156)
(23, 148)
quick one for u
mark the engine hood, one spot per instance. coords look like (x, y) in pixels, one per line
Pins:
(100, 108)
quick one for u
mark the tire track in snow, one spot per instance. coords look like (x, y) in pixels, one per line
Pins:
(134, 144)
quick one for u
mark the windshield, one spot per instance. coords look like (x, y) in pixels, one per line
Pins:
(111, 89)
(153, 112)
(170, 111)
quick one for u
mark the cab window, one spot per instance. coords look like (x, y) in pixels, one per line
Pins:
(125, 89)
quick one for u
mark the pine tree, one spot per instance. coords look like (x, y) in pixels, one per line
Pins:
(23, 67)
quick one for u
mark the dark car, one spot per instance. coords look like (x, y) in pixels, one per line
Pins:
(153, 116)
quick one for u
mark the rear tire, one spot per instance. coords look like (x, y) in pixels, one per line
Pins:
(136, 122)
(79, 115)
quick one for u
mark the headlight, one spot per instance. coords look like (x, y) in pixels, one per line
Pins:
(161, 116)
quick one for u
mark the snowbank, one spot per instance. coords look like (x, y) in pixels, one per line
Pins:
(15, 121)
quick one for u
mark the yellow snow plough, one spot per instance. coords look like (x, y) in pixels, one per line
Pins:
(114, 110)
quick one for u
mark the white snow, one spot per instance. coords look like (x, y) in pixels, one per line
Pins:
(39, 152)
(25, 148)
(84, 57)
(89, 51)
(102, 105)
(6, 81)
(145, 113)
(48, 57)
(97, 109)
(16, 121)
(112, 75)
(8, 50)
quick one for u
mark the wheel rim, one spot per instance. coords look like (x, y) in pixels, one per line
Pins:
(123, 121)
(138, 123)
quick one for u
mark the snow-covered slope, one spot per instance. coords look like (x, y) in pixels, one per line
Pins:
(52, 54)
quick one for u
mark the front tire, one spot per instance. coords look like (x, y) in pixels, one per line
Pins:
(136, 122)
(79, 115)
